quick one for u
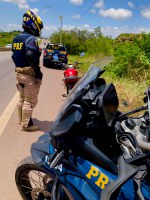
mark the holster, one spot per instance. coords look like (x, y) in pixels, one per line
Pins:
(25, 70)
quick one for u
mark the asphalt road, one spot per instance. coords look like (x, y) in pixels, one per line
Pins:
(14, 143)
(7, 89)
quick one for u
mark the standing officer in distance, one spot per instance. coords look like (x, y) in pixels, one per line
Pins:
(26, 57)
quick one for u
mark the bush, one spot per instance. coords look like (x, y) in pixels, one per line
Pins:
(7, 37)
(77, 41)
(130, 61)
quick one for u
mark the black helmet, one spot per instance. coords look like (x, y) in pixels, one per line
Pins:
(32, 23)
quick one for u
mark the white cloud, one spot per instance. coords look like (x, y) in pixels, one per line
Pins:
(86, 26)
(44, 11)
(99, 4)
(22, 4)
(107, 31)
(35, 10)
(48, 30)
(77, 16)
(12, 1)
(130, 4)
(93, 11)
(11, 27)
(112, 31)
(116, 13)
(145, 12)
(68, 27)
(116, 31)
(76, 2)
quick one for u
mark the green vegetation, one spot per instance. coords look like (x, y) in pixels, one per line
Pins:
(93, 43)
(128, 90)
(7, 37)
(131, 51)
(130, 70)
(132, 57)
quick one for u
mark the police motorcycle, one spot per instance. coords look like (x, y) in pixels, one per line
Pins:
(93, 151)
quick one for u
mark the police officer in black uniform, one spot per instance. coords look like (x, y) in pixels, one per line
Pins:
(26, 56)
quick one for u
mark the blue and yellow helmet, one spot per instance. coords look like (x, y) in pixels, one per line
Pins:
(32, 23)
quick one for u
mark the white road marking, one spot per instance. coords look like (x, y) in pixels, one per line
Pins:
(4, 118)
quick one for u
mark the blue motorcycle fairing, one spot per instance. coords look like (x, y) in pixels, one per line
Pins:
(65, 173)
(73, 174)
(85, 168)
(146, 189)
(85, 189)
(41, 148)
(76, 180)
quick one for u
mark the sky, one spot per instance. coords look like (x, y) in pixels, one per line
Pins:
(113, 16)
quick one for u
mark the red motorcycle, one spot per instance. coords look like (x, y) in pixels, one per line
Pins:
(71, 76)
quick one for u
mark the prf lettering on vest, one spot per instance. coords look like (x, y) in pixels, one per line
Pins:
(102, 179)
(18, 46)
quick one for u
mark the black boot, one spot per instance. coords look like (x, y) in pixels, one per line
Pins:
(30, 126)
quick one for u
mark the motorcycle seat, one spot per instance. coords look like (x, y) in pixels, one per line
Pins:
(71, 77)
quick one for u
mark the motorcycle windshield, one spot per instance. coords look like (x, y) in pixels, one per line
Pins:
(95, 70)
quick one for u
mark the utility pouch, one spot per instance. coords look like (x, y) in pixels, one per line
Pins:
(25, 70)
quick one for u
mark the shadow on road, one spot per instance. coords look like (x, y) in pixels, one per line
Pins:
(44, 126)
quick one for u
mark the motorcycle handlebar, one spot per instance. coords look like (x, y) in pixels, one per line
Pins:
(123, 115)
(121, 135)
(131, 138)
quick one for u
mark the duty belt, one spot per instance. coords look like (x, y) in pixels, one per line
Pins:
(25, 70)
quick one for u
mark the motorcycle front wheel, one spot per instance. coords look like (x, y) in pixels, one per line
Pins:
(32, 181)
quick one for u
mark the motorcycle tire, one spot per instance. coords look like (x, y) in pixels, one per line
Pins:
(68, 89)
(33, 182)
